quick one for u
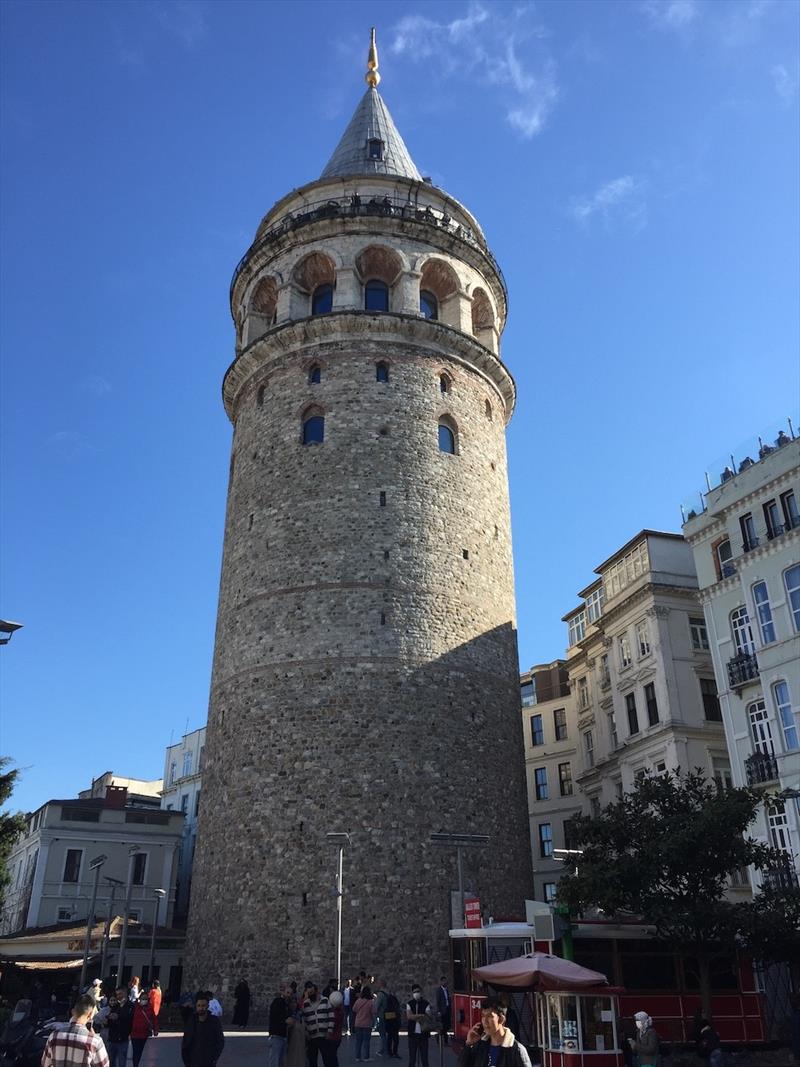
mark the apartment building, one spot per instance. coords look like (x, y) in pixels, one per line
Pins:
(549, 725)
(183, 765)
(745, 536)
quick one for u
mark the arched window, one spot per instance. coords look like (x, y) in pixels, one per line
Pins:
(488, 410)
(444, 383)
(314, 374)
(313, 429)
(260, 395)
(322, 299)
(428, 304)
(382, 372)
(376, 295)
(447, 437)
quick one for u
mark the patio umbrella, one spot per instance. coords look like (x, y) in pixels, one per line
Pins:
(540, 971)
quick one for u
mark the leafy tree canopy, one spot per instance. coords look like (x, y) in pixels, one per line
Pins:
(11, 826)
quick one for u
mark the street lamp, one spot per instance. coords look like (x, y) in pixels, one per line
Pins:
(95, 866)
(159, 895)
(7, 630)
(123, 943)
(460, 841)
(340, 839)
(113, 882)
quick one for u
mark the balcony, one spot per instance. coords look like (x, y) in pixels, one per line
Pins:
(784, 876)
(742, 669)
(761, 768)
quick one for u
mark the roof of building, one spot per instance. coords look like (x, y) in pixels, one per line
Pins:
(635, 540)
(371, 121)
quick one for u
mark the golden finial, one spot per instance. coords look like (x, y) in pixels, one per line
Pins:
(372, 77)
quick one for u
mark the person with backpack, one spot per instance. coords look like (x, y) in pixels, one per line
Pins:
(391, 1021)
(708, 1043)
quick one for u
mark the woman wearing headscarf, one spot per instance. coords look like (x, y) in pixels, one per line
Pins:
(646, 1043)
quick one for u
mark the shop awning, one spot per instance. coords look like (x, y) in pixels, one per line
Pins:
(51, 964)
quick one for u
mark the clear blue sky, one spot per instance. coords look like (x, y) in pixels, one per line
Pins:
(634, 166)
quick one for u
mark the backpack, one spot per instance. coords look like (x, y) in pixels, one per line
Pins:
(392, 1009)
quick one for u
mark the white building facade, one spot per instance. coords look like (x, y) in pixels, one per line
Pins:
(746, 545)
(183, 766)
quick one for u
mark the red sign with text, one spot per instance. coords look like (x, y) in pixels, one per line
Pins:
(472, 913)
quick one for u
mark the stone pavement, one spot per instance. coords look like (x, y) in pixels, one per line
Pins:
(248, 1048)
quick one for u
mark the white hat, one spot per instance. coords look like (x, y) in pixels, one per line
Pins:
(97, 982)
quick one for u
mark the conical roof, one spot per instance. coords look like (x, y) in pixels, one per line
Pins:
(371, 122)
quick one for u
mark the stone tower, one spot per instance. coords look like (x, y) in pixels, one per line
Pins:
(365, 674)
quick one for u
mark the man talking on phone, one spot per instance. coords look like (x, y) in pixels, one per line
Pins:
(490, 1043)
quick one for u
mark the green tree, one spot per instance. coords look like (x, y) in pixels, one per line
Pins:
(11, 826)
(665, 852)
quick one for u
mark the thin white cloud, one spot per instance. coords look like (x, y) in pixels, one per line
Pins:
(671, 14)
(785, 82)
(95, 385)
(618, 203)
(184, 20)
(485, 44)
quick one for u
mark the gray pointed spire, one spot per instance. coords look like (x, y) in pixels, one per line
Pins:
(371, 144)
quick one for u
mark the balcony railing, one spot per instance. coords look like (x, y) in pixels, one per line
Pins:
(742, 669)
(760, 768)
(784, 876)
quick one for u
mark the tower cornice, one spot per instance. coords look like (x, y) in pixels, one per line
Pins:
(434, 338)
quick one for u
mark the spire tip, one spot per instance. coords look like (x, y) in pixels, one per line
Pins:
(372, 77)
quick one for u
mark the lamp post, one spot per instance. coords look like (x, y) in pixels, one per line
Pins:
(113, 882)
(159, 894)
(123, 942)
(7, 630)
(341, 839)
(460, 841)
(95, 866)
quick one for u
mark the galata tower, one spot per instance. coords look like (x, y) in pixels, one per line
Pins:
(365, 676)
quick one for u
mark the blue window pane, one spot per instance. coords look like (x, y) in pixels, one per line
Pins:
(376, 296)
(382, 372)
(322, 300)
(447, 440)
(315, 375)
(314, 430)
(428, 305)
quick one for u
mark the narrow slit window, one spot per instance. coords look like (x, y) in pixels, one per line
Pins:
(314, 430)
(382, 499)
(382, 372)
(375, 148)
(447, 439)
(315, 374)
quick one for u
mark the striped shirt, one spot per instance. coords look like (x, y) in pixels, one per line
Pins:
(318, 1018)
(74, 1045)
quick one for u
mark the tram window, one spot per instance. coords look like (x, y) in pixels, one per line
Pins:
(597, 1033)
(723, 974)
(642, 969)
(597, 955)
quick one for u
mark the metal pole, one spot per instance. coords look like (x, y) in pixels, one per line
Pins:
(123, 941)
(461, 882)
(159, 894)
(339, 919)
(89, 924)
(107, 931)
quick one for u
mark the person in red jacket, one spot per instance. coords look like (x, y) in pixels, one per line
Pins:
(155, 1004)
(142, 1027)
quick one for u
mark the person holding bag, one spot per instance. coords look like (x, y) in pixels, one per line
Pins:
(143, 1025)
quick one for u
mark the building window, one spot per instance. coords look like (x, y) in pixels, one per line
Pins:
(626, 570)
(699, 634)
(633, 716)
(760, 729)
(588, 748)
(322, 299)
(791, 579)
(764, 613)
(643, 638)
(200, 760)
(652, 703)
(742, 634)
(428, 304)
(560, 724)
(540, 783)
(612, 731)
(173, 772)
(605, 670)
(790, 512)
(549, 892)
(527, 692)
(711, 708)
(187, 764)
(197, 804)
(140, 864)
(565, 779)
(447, 438)
(571, 839)
(314, 374)
(314, 430)
(487, 410)
(374, 148)
(783, 707)
(772, 519)
(64, 915)
(748, 528)
(583, 692)
(722, 775)
(545, 840)
(185, 803)
(444, 383)
(577, 628)
(594, 604)
(376, 295)
(381, 372)
(72, 865)
(594, 806)
(778, 826)
(724, 559)
(624, 648)
(537, 730)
